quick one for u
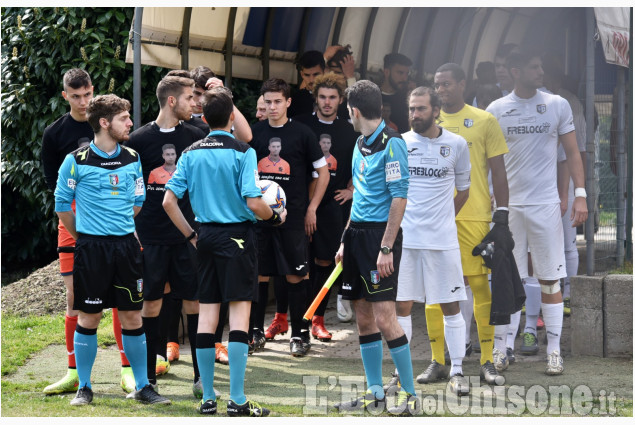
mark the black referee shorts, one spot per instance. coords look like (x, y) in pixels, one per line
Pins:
(227, 263)
(170, 263)
(360, 277)
(330, 225)
(107, 273)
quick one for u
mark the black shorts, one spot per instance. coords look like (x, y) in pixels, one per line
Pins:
(107, 273)
(170, 263)
(282, 251)
(327, 237)
(360, 278)
(227, 263)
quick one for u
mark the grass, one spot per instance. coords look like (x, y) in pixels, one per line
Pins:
(627, 268)
(277, 382)
(23, 336)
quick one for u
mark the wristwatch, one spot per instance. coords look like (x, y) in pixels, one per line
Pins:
(386, 250)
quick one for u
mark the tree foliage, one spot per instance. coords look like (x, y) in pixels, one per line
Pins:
(38, 46)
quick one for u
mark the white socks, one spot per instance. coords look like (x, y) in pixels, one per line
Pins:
(406, 324)
(532, 304)
(552, 315)
(573, 261)
(467, 310)
(512, 329)
(455, 339)
(500, 337)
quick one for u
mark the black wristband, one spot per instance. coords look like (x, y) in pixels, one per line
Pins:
(192, 236)
(501, 217)
(274, 219)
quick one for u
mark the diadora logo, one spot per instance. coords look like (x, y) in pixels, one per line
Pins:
(95, 301)
(365, 150)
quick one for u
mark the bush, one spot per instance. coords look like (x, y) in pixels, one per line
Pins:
(38, 46)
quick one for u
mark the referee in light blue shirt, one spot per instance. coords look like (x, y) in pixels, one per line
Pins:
(220, 174)
(371, 249)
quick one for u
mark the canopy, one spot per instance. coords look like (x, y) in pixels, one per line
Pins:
(258, 42)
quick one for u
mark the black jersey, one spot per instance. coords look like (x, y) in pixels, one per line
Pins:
(301, 103)
(199, 123)
(154, 227)
(290, 164)
(398, 110)
(59, 139)
(340, 156)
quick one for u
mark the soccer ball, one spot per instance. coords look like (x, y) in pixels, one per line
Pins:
(273, 195)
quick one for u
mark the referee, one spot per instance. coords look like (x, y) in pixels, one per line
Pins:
(221, 171)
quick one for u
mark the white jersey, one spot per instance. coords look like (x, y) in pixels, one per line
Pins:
(531, 128)
(436, 167)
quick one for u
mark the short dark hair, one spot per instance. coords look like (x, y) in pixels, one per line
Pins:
(217, 106)
(330, 80)
(310, 59)
(520, 58)
(325, 136)
(200, 75)
(487, 93)
(76, 78)
(172, 86)
(339, 55)
(105, 106)
(167, 146)
(504, 50)
(274, 140)
(365, 96)
(392, 59)
(457, 72)
(276, 85)
(435, 101)
(486, 72)
(179, 73)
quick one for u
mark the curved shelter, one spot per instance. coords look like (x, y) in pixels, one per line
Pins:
(594, 45)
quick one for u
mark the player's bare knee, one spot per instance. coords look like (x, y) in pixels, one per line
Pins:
(450, 309)
(130, 319)
(191, 306)
(151, 308)
(89, 320)
(404, 308)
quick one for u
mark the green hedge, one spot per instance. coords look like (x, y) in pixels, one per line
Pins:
(38, 46)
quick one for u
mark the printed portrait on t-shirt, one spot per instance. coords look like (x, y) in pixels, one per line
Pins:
(273, 163)
(325, 144)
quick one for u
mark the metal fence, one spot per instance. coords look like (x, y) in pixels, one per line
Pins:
(611, 241)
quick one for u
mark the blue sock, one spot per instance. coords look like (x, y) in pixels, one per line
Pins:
(237, 351)
(372, 354)
(85, 353)
(400, 353)
(134, 346)
(206, 356)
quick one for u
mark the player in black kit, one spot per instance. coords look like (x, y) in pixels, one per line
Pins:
(337, 141)
(283, 251)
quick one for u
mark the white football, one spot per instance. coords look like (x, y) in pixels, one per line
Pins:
(273, 195)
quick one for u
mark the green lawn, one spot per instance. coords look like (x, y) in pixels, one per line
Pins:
(288, 386)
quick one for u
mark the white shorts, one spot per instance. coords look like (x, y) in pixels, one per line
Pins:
(538, 228)
(431, 276)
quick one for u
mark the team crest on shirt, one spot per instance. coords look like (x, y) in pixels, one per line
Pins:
(444, 151)
(374, 277)
(139, 285)
(542, 108)
(114, 179)
(468, 122)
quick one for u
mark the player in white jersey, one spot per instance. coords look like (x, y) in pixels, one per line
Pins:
(554, 77)
(533, 122)
(438, 162)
